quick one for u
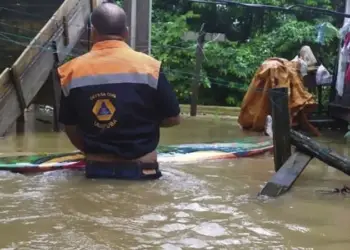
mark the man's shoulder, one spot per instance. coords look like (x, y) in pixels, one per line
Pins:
(150, 65)
(74, 61)
(65, 70)
(144, 57)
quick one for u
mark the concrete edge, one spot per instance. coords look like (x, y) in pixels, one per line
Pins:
(212, 110)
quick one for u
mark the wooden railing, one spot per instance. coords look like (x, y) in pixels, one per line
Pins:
(20, 83)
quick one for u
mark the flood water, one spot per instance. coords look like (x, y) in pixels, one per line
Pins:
(210, 205)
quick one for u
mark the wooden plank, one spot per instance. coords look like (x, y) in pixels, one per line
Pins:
(17, 86)
(34, 48)
(9, 105)
(34, 78)
(21, 119)
(35, 63)
(311, 147)
(36, 74)
(76, 28)
(45, 35)
(283, 180)
(339, 111)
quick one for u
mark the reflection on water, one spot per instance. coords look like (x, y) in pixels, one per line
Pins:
(210, 205)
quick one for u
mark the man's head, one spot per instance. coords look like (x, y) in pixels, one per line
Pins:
(108, 22)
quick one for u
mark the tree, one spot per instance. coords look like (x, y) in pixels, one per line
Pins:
(254, 35)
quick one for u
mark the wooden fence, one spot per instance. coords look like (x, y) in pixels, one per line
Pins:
(20, 83)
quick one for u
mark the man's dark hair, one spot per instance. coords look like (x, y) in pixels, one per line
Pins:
(109, 19)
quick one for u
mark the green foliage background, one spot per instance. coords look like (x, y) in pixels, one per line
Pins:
(254, 34)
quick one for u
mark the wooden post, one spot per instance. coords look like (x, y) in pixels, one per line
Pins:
(65, 31)
(280, 125)
(56, 89)
(288, 168)
(89, 25)
(140, 23)
(20, 124)
(197, 80)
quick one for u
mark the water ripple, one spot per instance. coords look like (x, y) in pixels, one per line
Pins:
(187, 209)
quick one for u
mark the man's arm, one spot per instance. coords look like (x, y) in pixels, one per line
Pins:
(68, 118)
(167, 103)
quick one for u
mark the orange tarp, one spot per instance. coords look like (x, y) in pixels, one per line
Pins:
(274, 72)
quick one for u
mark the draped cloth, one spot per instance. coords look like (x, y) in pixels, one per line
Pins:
(274, 72)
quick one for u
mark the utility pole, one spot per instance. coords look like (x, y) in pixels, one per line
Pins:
(197, 80)
(139, 14)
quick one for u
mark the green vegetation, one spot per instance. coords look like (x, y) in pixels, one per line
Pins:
(254, 35)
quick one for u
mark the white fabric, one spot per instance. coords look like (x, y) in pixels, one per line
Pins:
(345, 29)
(268, 126)
(343, 59)
(303, 65)
(323, 76)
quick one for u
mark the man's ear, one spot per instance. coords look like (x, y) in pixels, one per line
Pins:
(126, 33)
(94, 34)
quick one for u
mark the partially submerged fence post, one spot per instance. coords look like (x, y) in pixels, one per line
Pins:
(287, 167)
(280, 125)
(199, 60)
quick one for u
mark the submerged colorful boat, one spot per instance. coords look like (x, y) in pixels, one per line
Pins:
(185, 153)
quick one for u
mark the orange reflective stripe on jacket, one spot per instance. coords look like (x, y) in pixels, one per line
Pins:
(109, 62)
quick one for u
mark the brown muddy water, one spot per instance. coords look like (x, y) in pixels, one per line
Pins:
(210, 205)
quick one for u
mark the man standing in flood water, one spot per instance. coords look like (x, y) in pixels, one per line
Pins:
(114, 102)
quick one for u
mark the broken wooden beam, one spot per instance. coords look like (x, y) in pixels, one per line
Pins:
(280, 125)
(307, 145)
(283, 180)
